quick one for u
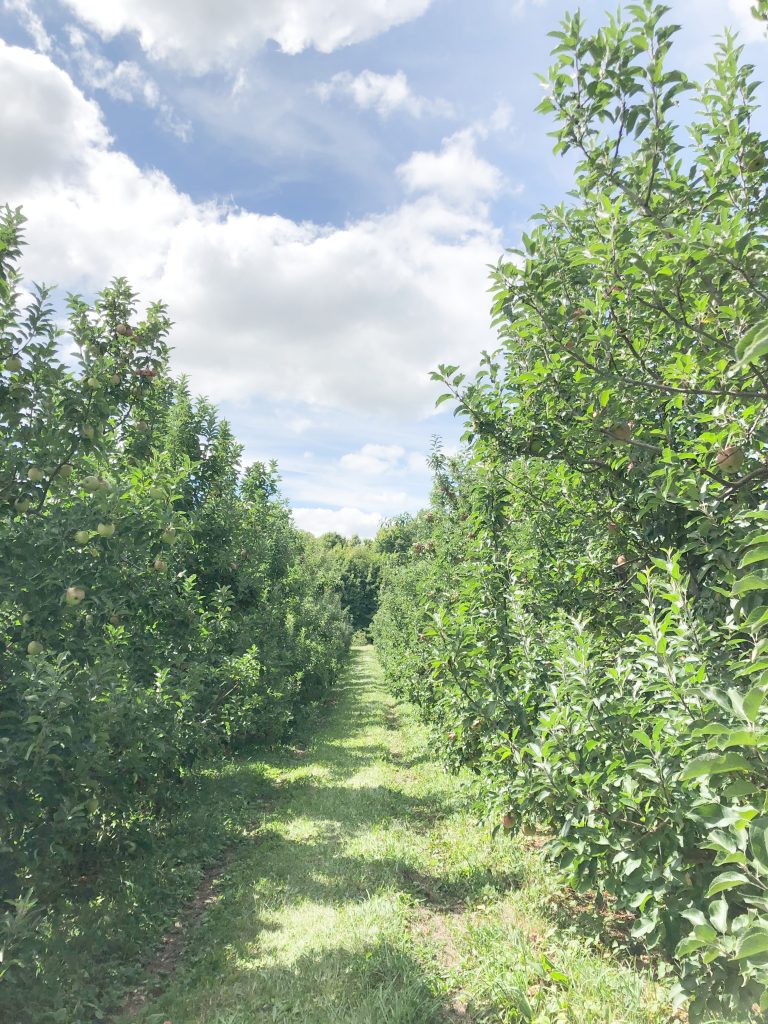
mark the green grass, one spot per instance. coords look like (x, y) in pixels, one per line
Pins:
(343, 880)
(369, 895)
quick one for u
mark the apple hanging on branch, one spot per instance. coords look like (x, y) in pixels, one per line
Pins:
(730, 459)
(74, 595)
(622, 432)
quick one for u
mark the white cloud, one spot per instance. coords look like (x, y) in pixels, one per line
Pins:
(417, 462)
(749, 28)
(31, 22)
(383, 93)
(51, 129)
(373, 459)
(352, 317)
(125, 81)
(197, 35)
(456, 173)
(299, 425)
(346, 521)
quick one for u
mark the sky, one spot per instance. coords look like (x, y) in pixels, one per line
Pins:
(315, 188)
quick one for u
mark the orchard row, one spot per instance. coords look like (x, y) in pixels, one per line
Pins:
(581, 613)
(156, 603)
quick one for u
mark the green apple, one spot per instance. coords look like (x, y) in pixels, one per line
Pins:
(160, 565)
(34, 647)
(35, 474)
(13, 364)
(105, 529)
(22, 505)
(730, 459)
(82, 536)
(74, 595)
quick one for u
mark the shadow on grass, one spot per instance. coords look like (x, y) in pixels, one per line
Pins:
(94, 940)
(379, 984)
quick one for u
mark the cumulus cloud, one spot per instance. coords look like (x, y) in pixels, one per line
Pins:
(350, 317)
(383, 93)
(346, 521)
(373, 459)
(456, 173)
(196, 35)
(51, 129)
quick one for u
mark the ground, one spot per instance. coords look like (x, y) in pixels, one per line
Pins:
(367, 893)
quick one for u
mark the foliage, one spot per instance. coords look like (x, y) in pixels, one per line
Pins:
(596, 653)
(155, 604)
(375, 921)
(359, 567)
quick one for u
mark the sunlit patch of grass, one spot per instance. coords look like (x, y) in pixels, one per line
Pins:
(372, 895)
(361, 890)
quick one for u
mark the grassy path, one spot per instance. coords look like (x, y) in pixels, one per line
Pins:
(369, 896)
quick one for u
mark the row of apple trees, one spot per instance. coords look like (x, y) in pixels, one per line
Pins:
(155, 603)
(582, 611)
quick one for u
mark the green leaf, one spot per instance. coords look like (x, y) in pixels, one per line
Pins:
(718, 915)
(753, 702)
(714, 764)
(754, 555)
(749, 583)
(753, 943)
(753, 345)
(758, 839)
(727, 880)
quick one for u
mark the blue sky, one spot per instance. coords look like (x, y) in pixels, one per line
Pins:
(315, 187)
